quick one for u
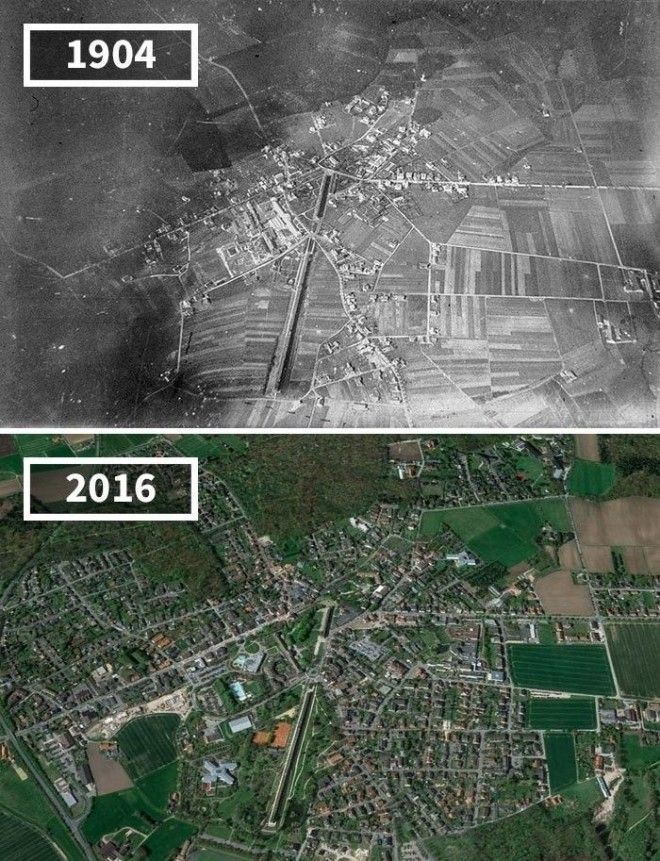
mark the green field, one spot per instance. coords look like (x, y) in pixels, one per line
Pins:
(20, 842)
(126, 809)
(637, 756)
(635, 650)
(162, 843)
(207, 854)
(159, 785)
(25, 799)
(573, 669)
(561, 713)
(198, 445)
(589, 478)
(499, 533)
(560, 754)
(41, 445)
(148, 743)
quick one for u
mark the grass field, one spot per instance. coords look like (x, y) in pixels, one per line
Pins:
(637, 756)
(561, 713)
(20, 842)
(635, 650)
(588, 478)
(166, 839)
(198, 445)
(126, 809)
(499, 533)
(25, 799)
(159, 785)
(148, 743)
(207, 854)
(560, 754)
(574, 669)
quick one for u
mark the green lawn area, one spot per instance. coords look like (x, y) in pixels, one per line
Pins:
(159, 785)
(637, 756)
(504, 533)
(635, 650)
(148, 743)
(163, 843)
(574, 669)
(531, 467)
(589, 478)
(204, 446)
(561, 713)
(207, 854)
(560, 755)
(111, 813)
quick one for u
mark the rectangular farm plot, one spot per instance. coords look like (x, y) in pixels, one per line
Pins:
(492, 273)
(499, 533)
(572, 669)
(635, 650)
(588, 478)
(561, 713)
(560, 756)
(521, 342)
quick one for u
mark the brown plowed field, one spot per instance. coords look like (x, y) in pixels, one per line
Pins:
(586, 446)
(628, 523)
(560, 596)
(109, 775)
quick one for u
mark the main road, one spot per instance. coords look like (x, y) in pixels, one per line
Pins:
(280, 370)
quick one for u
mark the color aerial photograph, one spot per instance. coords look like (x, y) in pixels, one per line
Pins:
(366, 648)
(365, 214)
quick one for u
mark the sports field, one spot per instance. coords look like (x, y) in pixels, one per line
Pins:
(561, 713)
(499, 533)
(573, 669)
(560, 755)
(635, 650)
(148, 743)
(20, 842)
(588, 478)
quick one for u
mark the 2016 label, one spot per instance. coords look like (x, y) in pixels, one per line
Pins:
(98, 488)
(110, 488)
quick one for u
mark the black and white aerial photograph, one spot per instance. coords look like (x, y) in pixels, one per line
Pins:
(328, 214)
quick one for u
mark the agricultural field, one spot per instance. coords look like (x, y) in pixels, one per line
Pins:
(561, 713)
(635, 650)
(148, 743)
(574, 669)
(159, 785)
(20, 842)
(561, 595)
(25, 800)
(637, 756)
(166, 839)
(588, 478)
(126, 809)
(560, 755)
(204, 446)
(504, 533)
